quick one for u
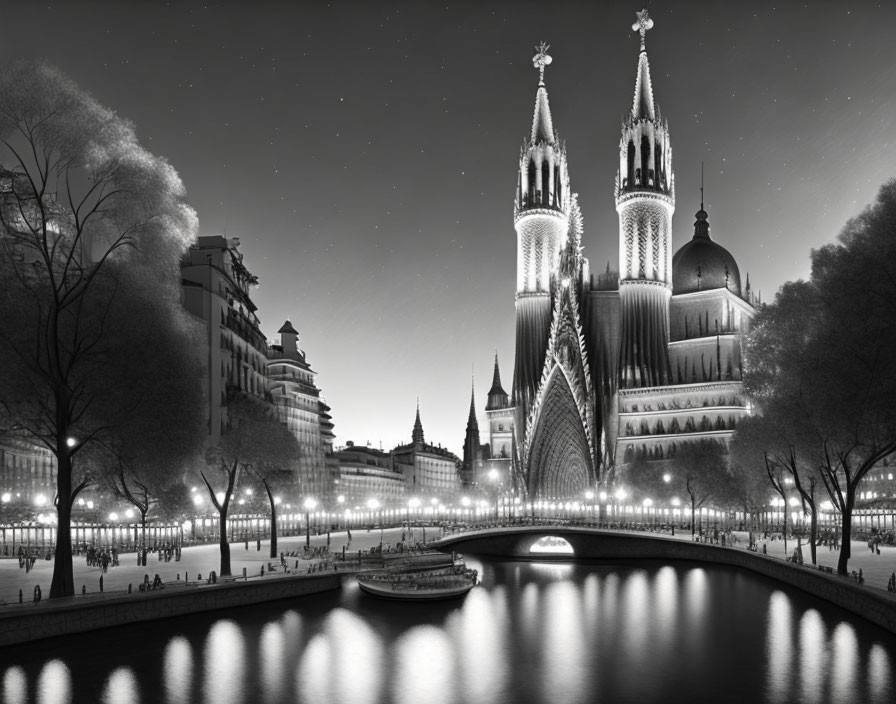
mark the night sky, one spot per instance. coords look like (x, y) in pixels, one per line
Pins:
(366, 154)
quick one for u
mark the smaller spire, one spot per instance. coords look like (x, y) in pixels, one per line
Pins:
(471, 421)
(542, 124)
(417, 434)
(701, 224)
(497, 396)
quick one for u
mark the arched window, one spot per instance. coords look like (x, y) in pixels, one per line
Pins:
(630, 179)
(545, 183)
(645, 159)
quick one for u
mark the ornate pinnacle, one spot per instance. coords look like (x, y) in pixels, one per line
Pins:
(642, 25)
(541, 59)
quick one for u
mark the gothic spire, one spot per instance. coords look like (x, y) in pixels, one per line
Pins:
(542, 124)
(497, 396)
(642, 104)
(471, 420)
(417, 434)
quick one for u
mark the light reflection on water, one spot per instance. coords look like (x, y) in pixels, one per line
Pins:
(122, 687)
(533, 634)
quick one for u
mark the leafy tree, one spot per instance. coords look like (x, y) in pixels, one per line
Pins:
(823, 350)
(701, 470)
(747, 458)
(89, 222)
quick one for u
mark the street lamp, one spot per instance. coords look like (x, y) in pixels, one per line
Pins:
(647, 504)
(309, 506)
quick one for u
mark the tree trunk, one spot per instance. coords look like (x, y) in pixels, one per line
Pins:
(273, 530)
(63, 583)
(225, 546)
(813, 532)
(845, 534)
(143, 539)
(693, 510)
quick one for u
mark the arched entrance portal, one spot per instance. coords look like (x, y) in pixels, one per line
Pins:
(559, 457)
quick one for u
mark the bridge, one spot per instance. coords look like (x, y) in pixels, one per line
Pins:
(545, 542)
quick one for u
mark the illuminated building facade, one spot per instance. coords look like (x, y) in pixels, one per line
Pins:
(628, 363)
(365, 473)
(430, 471)
(299, 406)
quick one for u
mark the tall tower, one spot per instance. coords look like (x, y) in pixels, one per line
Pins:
(472, 446)
(541, 220)
(645, 201)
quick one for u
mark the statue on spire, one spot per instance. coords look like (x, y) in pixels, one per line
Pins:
(642, 25)
(541, 59)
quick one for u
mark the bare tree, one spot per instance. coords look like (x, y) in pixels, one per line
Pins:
(85, 215)
(256, 446)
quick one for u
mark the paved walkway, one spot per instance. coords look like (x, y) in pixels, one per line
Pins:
(202, 559)
(195, 561)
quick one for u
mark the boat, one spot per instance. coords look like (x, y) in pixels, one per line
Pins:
(416, 580)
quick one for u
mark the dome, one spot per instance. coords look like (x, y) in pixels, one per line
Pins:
(702, 264)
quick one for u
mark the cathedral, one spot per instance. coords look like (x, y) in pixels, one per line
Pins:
(626, 364)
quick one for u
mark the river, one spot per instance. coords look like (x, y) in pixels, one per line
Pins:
(540, 633)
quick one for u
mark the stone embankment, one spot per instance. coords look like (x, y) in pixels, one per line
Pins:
(56, 617)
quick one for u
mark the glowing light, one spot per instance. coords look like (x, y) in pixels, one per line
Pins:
(589, 495)
(620, 493)
(71, 442)
(552, 544)
(373, 504)
(7, 497)
(90, 504)
(54, 685)
(129, 513)
(417, 650)
(603, 496)
(197, 500)
(225, 660)
(178, 671)
(667, 478)
(40, 500)
(465, 501)
(15, 685)
(121, 687)
(340, 499)
(113, 516)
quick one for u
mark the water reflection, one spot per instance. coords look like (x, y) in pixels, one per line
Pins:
(426, 670)
(476, 632)
(15, 686)
(563, 669)
(540, 634)
(812, 655)
(342, 663)
(178, 671)
(122, 687)
(879, 675)
(54, 685)
(225, 663)
(272, 659)
(779, 647)
(844, 662)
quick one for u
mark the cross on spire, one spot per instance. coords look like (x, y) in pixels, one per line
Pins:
(642, 25)
(541, 59)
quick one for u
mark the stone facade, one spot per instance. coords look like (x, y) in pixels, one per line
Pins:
(627, 364)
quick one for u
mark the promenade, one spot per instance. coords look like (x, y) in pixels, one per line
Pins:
(198, 561)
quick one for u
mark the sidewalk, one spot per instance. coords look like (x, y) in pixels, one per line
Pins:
(202, 559)
(195, 561)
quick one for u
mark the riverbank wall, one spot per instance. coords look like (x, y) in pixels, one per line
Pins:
(873, 604)
(80, 614)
